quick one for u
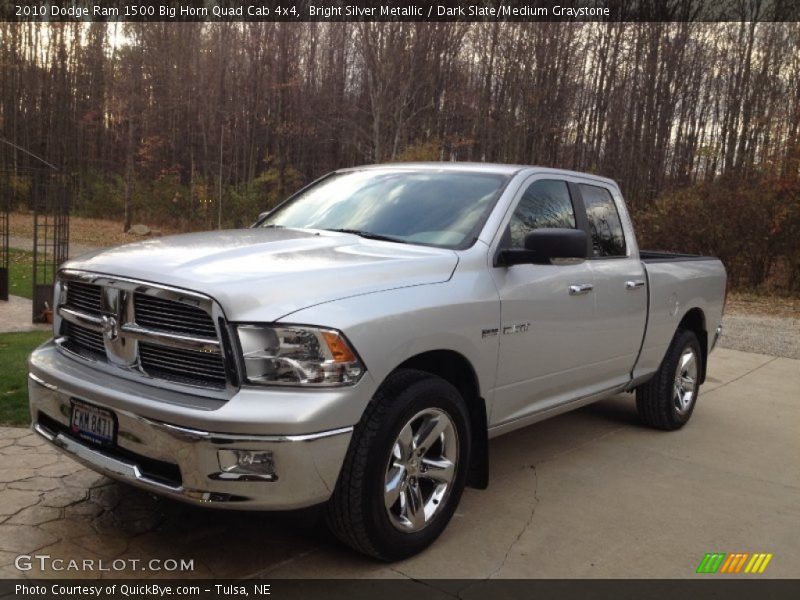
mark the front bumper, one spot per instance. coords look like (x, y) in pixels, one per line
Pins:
(182, 461)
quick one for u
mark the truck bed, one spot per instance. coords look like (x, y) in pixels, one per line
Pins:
(676, 282)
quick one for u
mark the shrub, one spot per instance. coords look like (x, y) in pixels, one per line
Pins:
(751, 224)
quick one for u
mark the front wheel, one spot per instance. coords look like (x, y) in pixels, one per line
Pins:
(668, 399)
(405, 469)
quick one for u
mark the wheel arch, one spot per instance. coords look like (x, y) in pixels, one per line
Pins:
(695, 320)
(457, 370)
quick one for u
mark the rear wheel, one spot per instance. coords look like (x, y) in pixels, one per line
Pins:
(405, 469)
(668, 399)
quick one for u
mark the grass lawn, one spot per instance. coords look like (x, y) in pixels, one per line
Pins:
(14, 351)
(20, 278)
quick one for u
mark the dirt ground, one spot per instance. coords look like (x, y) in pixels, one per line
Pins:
(756, 304)
(99, 233)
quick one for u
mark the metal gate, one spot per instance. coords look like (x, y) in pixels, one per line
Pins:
(5, 257)
(50, 202)
(46, 190)
(49, 199)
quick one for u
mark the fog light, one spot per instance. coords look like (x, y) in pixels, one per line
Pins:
(247, 462)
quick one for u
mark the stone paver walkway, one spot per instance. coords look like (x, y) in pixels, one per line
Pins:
(51, 505)
(16, 314)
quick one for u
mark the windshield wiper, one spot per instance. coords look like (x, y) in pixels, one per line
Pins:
(369, 235)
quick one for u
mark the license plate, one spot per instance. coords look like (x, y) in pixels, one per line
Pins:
(92, 423)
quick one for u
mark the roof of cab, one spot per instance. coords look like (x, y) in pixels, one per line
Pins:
(477, 167)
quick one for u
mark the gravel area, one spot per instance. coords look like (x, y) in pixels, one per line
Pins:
(773, 335)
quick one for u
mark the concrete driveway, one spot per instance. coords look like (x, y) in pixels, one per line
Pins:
(587, 494)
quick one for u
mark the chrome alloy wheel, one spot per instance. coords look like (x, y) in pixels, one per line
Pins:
(685, 381)
(420, 470)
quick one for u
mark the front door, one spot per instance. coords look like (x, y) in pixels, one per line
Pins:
(544, 357)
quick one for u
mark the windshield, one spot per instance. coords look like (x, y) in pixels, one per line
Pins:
(437, 208)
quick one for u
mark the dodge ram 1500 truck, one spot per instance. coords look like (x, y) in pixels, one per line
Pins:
(360, 343)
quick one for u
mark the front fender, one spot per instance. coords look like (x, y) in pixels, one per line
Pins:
(387, 328)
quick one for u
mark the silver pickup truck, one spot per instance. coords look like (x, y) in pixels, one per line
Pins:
(360, 344)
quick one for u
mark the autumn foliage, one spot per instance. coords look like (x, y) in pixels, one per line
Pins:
(199, 125)
(752, 224)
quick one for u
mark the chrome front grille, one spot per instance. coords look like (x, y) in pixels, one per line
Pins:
(142, 329)
(84, 297)
(167, 315)
(182, 365)
(83, 340)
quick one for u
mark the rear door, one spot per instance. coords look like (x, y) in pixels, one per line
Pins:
(620, 284)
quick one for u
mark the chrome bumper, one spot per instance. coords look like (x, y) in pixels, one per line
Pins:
(305, 466)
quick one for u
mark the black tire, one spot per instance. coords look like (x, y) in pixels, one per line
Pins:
(356, 513)
(656, 400)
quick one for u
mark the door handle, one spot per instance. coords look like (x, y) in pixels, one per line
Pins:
(634, 285)
(580, 288)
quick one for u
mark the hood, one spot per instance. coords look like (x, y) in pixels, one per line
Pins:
(264, 274)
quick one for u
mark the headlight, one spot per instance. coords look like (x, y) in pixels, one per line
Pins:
(297, 356)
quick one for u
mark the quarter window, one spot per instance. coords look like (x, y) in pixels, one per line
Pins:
(604, 222)
(545, 204)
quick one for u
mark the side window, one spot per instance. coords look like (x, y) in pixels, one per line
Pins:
(607, 236)
(546, 203)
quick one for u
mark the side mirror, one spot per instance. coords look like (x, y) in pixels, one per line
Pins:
(543, 245)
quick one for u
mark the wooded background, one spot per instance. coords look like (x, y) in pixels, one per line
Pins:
(156, 122)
